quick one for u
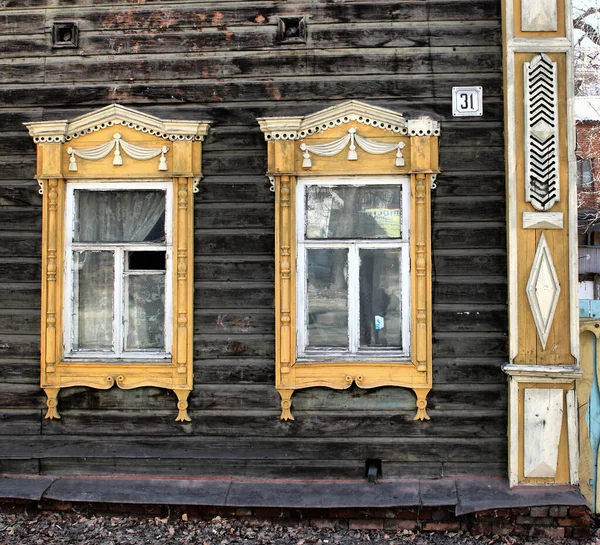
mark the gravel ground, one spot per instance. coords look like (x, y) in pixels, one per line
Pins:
(45, 527)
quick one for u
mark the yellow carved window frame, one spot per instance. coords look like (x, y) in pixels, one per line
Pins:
(86, 149)
(351, 139)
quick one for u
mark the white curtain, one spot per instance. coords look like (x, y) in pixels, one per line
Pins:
(120, 216)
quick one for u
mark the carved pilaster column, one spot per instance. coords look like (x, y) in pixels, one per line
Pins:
(285, 265)
(421, 273)
(181, 340)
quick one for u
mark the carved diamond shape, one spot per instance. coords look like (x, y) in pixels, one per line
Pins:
(543, 290)
(542, 131)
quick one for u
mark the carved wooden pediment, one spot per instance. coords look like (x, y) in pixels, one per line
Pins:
(294, 128)
(116, 115)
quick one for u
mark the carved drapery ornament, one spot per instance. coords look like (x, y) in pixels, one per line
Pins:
(117, 143)
(393, 146)
(141, 137)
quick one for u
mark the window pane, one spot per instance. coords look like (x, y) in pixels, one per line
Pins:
(380, 299)
(146, 261)
(146, 312)
(327, 297)
(93, 285)
(119, 216)
(353, 212)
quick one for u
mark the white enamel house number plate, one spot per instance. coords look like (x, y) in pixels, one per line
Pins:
(467, 101)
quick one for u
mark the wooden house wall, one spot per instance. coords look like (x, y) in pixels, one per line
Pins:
(219, 61)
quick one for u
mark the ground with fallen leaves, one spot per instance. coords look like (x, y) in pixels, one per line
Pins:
(73, 527)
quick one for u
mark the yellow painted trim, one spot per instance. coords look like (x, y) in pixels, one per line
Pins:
(184, 167)
(285, 165)
(558, 346)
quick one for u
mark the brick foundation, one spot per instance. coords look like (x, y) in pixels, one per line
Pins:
(553, 521)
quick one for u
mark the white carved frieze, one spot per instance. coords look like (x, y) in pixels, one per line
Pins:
(350, 140)
(117, 143)
(541, 133)
(543, 290)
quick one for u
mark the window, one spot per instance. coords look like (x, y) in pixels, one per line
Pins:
(353, 268)
(352, 250)
(585, 173)
(117, 251)
(118, 270)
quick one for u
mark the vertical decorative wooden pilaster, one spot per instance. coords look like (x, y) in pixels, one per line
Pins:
(541, 229)
(51, 198)
(421, 272)
(181, 339)
(285, 265)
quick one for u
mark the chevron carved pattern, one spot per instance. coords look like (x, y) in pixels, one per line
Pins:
(541, 133)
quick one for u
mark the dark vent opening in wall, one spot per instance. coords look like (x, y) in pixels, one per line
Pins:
(292, 30)
(373, 470)
(65, 34)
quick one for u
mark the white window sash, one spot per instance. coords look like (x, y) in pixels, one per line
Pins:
(119, 328)
(354, 352)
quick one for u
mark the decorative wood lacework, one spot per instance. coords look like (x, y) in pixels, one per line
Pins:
(541, 133)
(54, 174)
(334, 147)
(543, 290)
(100, 152)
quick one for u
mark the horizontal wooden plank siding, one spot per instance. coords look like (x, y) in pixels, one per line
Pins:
(220, 61)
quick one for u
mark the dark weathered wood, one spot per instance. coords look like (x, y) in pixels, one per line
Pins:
(475, 262)
(21, 421)
(20, 370)
(19, 295)
(20, 467)
(233, 321)
(20, 321)
(327, 469)
(468, 370)
(228, 216)
(20, 219)
(251, 38)
(17, 345)
(479, 290)
(468, 184)
(170, 93)
(469, 318)
(456, 209)
(242, 345)
(221, 15)
(234, 268)
(229, 295)
(224, 371)
(225, 189)
(26, 270)
(191, 59)
(267, 424)
(26, 195)
(457, 236)
(233, 448)
(470, 345)
(215, 242)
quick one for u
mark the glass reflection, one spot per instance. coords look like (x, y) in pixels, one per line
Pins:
(327, 294)
(353, 212)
